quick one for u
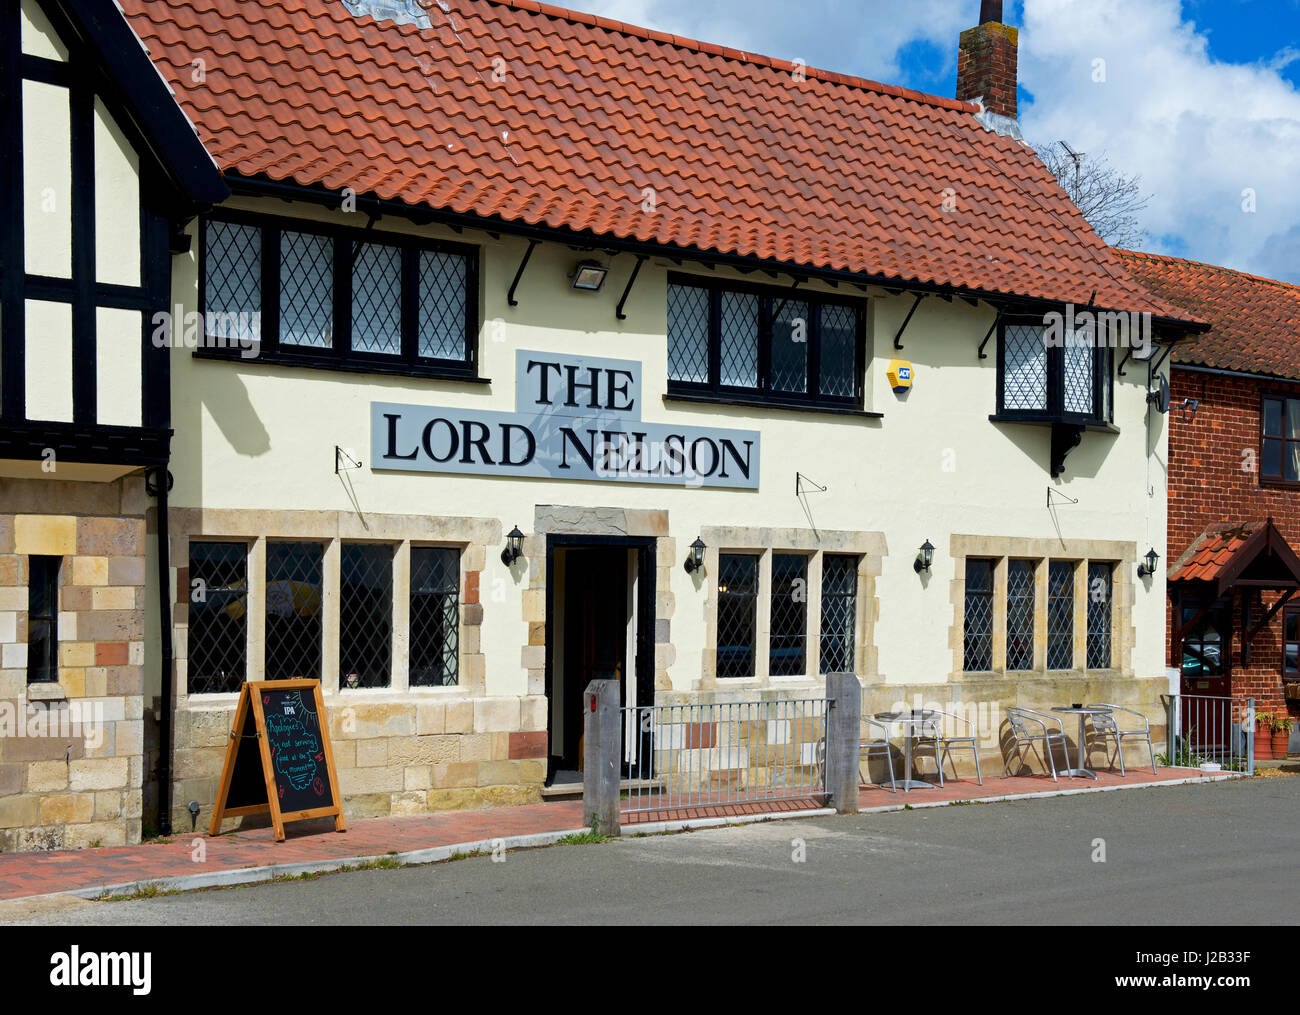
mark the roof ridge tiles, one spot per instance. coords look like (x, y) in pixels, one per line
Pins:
(756, 59)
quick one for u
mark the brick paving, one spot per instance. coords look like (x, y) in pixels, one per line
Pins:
(27, 874)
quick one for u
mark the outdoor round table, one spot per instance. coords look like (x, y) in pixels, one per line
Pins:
(1083, 771)
(911, 720)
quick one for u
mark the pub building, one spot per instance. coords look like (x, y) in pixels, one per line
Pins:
(532, 348)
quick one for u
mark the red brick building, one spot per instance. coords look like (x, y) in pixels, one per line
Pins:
(1234, 466)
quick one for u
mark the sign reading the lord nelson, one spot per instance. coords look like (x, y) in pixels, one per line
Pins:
(576, 418)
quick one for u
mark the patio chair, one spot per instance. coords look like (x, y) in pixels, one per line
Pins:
(866, 747)
(1105, 727)
(1030, 727)
(932, 738)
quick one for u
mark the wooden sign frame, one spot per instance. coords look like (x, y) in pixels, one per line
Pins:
(250, 697)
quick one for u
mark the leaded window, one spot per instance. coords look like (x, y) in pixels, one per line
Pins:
(978, 617)
(788, 630)
(337, 298)
(1279, 460)
(1100, 577)
(435, 616)
(43, 618)
(839, 613)
(293, 610)
(217, 639)
(737, 614)
(1291, 643)
(1020, 615)
(365, 615)
(1060, 615)
(1048, 376)
(729, 341)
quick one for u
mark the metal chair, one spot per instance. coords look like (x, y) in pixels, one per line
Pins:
(866, 747)
(1020, 719)
(932, 737)
(1105, 727)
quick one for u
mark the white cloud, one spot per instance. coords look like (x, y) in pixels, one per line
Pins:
(1202, 133)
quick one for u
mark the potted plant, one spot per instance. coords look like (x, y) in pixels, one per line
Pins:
(1263, 736)
(1280, 725)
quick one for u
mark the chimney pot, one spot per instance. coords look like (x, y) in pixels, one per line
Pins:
(990, 10)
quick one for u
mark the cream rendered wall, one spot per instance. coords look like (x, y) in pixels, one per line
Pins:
(47, 179)
(250, 436)
(117, 203)
(49, 361)
(118, 366)
(38, 37)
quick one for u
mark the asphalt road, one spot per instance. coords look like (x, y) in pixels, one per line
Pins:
(1175, 856)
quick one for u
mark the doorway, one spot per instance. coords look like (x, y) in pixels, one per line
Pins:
(599, 626)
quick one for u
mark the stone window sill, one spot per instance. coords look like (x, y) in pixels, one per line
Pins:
(47, 691)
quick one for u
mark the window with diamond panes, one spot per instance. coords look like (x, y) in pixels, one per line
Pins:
(1060, 615)
(688, 334)
(786, 347)
(1024, 371)
(435, 616)
(839, 613)
(365, 615)
(978, 617)
(233, 265)
(790, 330)
(217, 638)
(444, 295)
(1020, 615)
(788, 626)
(412, 303)
(293, 610)
(377, 299)
(737, 614)
(1080, 361)
(306, 290)
(1100, 577)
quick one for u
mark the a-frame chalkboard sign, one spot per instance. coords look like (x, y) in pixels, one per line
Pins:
(279, 758)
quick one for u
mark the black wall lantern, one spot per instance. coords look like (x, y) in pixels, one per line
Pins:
(1148, 565)
(924, 558)
(695, 561)
(514, 547)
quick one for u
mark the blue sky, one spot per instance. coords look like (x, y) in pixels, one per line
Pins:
(1200, 97)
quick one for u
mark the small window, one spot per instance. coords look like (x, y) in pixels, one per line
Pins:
(1100, 577)
(233, 254)
(788, 632)
(1203, 646)
(306, 290)
(377, 300)
(1279, 459)
(978, 624)
(1020, 615)
(737, 614)
(839, 613)
(366, 616)
(1041, 379)
(217, 638)
(1291, 643)
(1060, 615)
(293, 610)
(779, 346)
(435, 616)
(1024, 369)
(43, 619)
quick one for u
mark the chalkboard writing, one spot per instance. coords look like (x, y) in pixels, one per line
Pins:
(302, 778)
(279, 758)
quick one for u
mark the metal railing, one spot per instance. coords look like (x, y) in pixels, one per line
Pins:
(708, 755)
(1201, 729)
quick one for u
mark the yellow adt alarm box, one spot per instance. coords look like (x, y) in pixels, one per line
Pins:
(900, 375)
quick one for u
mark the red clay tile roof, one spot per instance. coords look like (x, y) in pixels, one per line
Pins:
(1211, 551)
(834, 172)
(1256, 321)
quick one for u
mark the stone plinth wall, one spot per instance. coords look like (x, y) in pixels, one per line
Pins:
(71, 752)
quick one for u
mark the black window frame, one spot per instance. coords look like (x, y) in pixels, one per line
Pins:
(726, 596)
(1061, 606)
(1103, 386)
(1276, 479)
(827, 636)
(770, 300)
(43, 573)
(194, 629)
(352, 640)
(275, 637)
(986, 594)
(1100, 618)
(340, 355)
(1290, 675)
(418, 650)
(785, 604)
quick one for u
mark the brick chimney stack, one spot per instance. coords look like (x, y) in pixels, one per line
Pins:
(987, 64)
